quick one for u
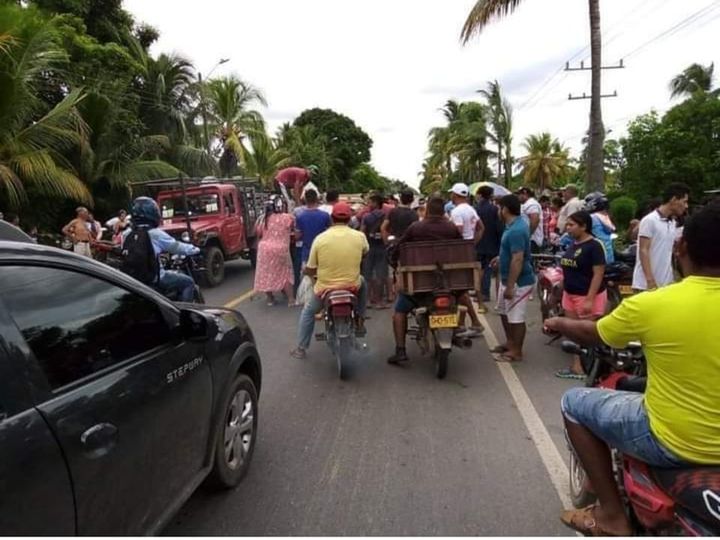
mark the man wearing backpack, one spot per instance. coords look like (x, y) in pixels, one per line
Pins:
(142, 246)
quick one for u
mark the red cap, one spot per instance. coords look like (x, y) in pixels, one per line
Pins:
(341, 210)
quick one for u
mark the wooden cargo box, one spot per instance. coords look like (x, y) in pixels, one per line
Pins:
(419, 263)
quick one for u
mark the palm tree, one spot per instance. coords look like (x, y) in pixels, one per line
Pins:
(265, 158)
(501, 133)
(696, 79)
(468, 142)
(230, 101)
(485, 11)
(546, 161)
(34, 140)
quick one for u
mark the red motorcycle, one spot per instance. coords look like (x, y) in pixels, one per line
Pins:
(659, 502)
(549, 288)
(341, 327)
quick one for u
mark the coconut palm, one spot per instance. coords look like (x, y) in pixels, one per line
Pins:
(485, 11)
(264, 159)
(501, 133)
(468, 141)
(34, 140)
(230, 101)
(695, 79)
(546, 161)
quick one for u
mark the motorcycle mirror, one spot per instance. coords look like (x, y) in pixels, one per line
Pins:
(570, 347)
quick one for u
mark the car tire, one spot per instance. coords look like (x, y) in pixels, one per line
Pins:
(215, 266)
(236, 434)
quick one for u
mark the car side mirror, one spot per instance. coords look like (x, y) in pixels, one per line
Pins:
(197, 326)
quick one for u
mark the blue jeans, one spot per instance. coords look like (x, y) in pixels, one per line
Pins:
(315, 305)
(296, 253)
(484, 260)
(175, 281)
(619, 419)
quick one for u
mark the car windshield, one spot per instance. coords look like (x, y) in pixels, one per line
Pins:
(198, 205)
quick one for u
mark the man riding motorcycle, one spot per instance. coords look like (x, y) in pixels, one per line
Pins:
(435, 227)
(335, 260)
(146, 216)
(675, 423)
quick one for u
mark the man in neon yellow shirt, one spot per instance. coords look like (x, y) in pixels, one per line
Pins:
(335, 259)
(676, 423)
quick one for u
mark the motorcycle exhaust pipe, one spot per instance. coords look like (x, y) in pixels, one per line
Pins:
(463, 343)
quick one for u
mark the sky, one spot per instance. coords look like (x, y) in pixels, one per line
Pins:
(390, 65)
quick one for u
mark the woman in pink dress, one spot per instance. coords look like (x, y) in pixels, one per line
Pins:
(274, 271)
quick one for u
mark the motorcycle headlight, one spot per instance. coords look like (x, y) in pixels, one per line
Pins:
(185, 237)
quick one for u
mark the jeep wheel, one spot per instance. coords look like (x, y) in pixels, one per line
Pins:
(236, 434)
(215, 266)
(253, 258)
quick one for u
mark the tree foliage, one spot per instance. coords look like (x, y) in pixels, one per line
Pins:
(545, 162)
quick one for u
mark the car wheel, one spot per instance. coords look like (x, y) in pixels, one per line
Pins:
(236, 435)
(215, 266)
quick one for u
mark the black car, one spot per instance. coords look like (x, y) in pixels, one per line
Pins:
(115, 403)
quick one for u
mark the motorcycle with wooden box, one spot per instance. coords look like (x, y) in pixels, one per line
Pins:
(435, 275)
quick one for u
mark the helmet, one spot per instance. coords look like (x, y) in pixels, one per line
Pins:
(145, 211)
(313, 170)
(596, 202)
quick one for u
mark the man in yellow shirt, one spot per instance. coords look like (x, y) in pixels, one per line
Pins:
(676, 423)
(335, 259)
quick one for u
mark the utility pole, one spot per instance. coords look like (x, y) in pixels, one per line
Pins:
(583, 67)
(204, 112)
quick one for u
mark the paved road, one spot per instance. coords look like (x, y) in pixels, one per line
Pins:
(392, 451)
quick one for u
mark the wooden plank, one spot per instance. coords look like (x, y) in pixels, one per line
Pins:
(433, 268)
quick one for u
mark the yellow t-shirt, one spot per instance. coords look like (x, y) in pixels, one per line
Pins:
(337, 254)
(679, 328)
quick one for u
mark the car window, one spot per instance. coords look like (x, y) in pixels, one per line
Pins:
(76, 324)
(229, 204)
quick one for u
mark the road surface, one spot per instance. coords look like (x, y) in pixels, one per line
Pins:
(392, 451)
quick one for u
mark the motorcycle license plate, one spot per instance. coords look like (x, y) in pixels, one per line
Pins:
(444, 321)
(626, 290)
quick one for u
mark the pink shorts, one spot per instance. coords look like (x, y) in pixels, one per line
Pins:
(574, 302)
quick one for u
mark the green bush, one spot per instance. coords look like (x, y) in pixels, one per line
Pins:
(622, 210)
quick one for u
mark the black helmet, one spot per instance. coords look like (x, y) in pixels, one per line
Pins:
(145, 211)
(596, 202)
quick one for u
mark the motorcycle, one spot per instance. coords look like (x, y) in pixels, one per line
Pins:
(659, 502)
(619, 276)
(549, 288)
(190, 265)
(438, 317)
(341, 327)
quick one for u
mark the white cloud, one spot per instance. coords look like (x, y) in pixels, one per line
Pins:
(391, 64)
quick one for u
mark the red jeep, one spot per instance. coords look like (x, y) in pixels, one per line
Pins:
(217, 215)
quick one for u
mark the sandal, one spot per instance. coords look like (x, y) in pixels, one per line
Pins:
(504, 357)
(567, 373)
(583, 521)
(499, 349)
(299, 353)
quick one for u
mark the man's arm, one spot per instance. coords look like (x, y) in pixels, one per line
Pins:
(385, 230)
(516, 264)
(579, 331)
(534, 222)
(645, 244)
(169, 245)
(479, 230)
(68, 229)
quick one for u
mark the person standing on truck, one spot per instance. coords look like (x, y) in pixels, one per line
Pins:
(293, 179)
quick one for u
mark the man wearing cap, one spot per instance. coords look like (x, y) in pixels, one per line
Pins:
(335, 259)
(572, 205)
(294, 178)
(532, 213)
(471, 227)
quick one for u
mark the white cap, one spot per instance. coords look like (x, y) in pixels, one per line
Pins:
(460, 189)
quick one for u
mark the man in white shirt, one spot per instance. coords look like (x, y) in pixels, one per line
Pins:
(471, 227)
(572, 204)
(531, 212)
(656, 239)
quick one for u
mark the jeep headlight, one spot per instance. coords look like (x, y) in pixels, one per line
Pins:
(185, 237)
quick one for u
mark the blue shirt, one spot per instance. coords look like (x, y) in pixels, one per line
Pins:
(602, 233)
(311, 222)
(516, 239)
(489, 244)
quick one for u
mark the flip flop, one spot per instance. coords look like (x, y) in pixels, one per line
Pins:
(583, 521)
(567, 373)
(300, 354)
(500, 349)
(506, 358)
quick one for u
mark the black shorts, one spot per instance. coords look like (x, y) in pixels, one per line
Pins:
(375, 265)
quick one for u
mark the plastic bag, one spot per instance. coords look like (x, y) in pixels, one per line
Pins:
(305, 291)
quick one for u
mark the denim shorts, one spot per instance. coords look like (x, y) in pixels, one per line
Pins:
(619, 419)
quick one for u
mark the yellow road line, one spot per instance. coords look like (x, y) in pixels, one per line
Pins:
(239, 300)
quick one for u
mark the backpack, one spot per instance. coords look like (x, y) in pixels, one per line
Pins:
(139, 260)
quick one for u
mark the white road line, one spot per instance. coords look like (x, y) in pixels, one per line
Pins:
(549, 453)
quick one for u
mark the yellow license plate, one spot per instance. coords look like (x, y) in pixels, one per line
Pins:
(444, 321)
(626, 290)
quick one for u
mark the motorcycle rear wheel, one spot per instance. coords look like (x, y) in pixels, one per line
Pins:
(342, 354)
(579, 495)
(442, 359)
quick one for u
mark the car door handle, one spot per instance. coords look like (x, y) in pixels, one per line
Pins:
(99, 440)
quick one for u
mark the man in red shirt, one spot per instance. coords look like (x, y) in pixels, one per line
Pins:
(294, 178)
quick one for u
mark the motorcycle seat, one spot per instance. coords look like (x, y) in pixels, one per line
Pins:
(696, 489)
(627, 255)
(632, 384)
(339, 296)
(616, 270)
